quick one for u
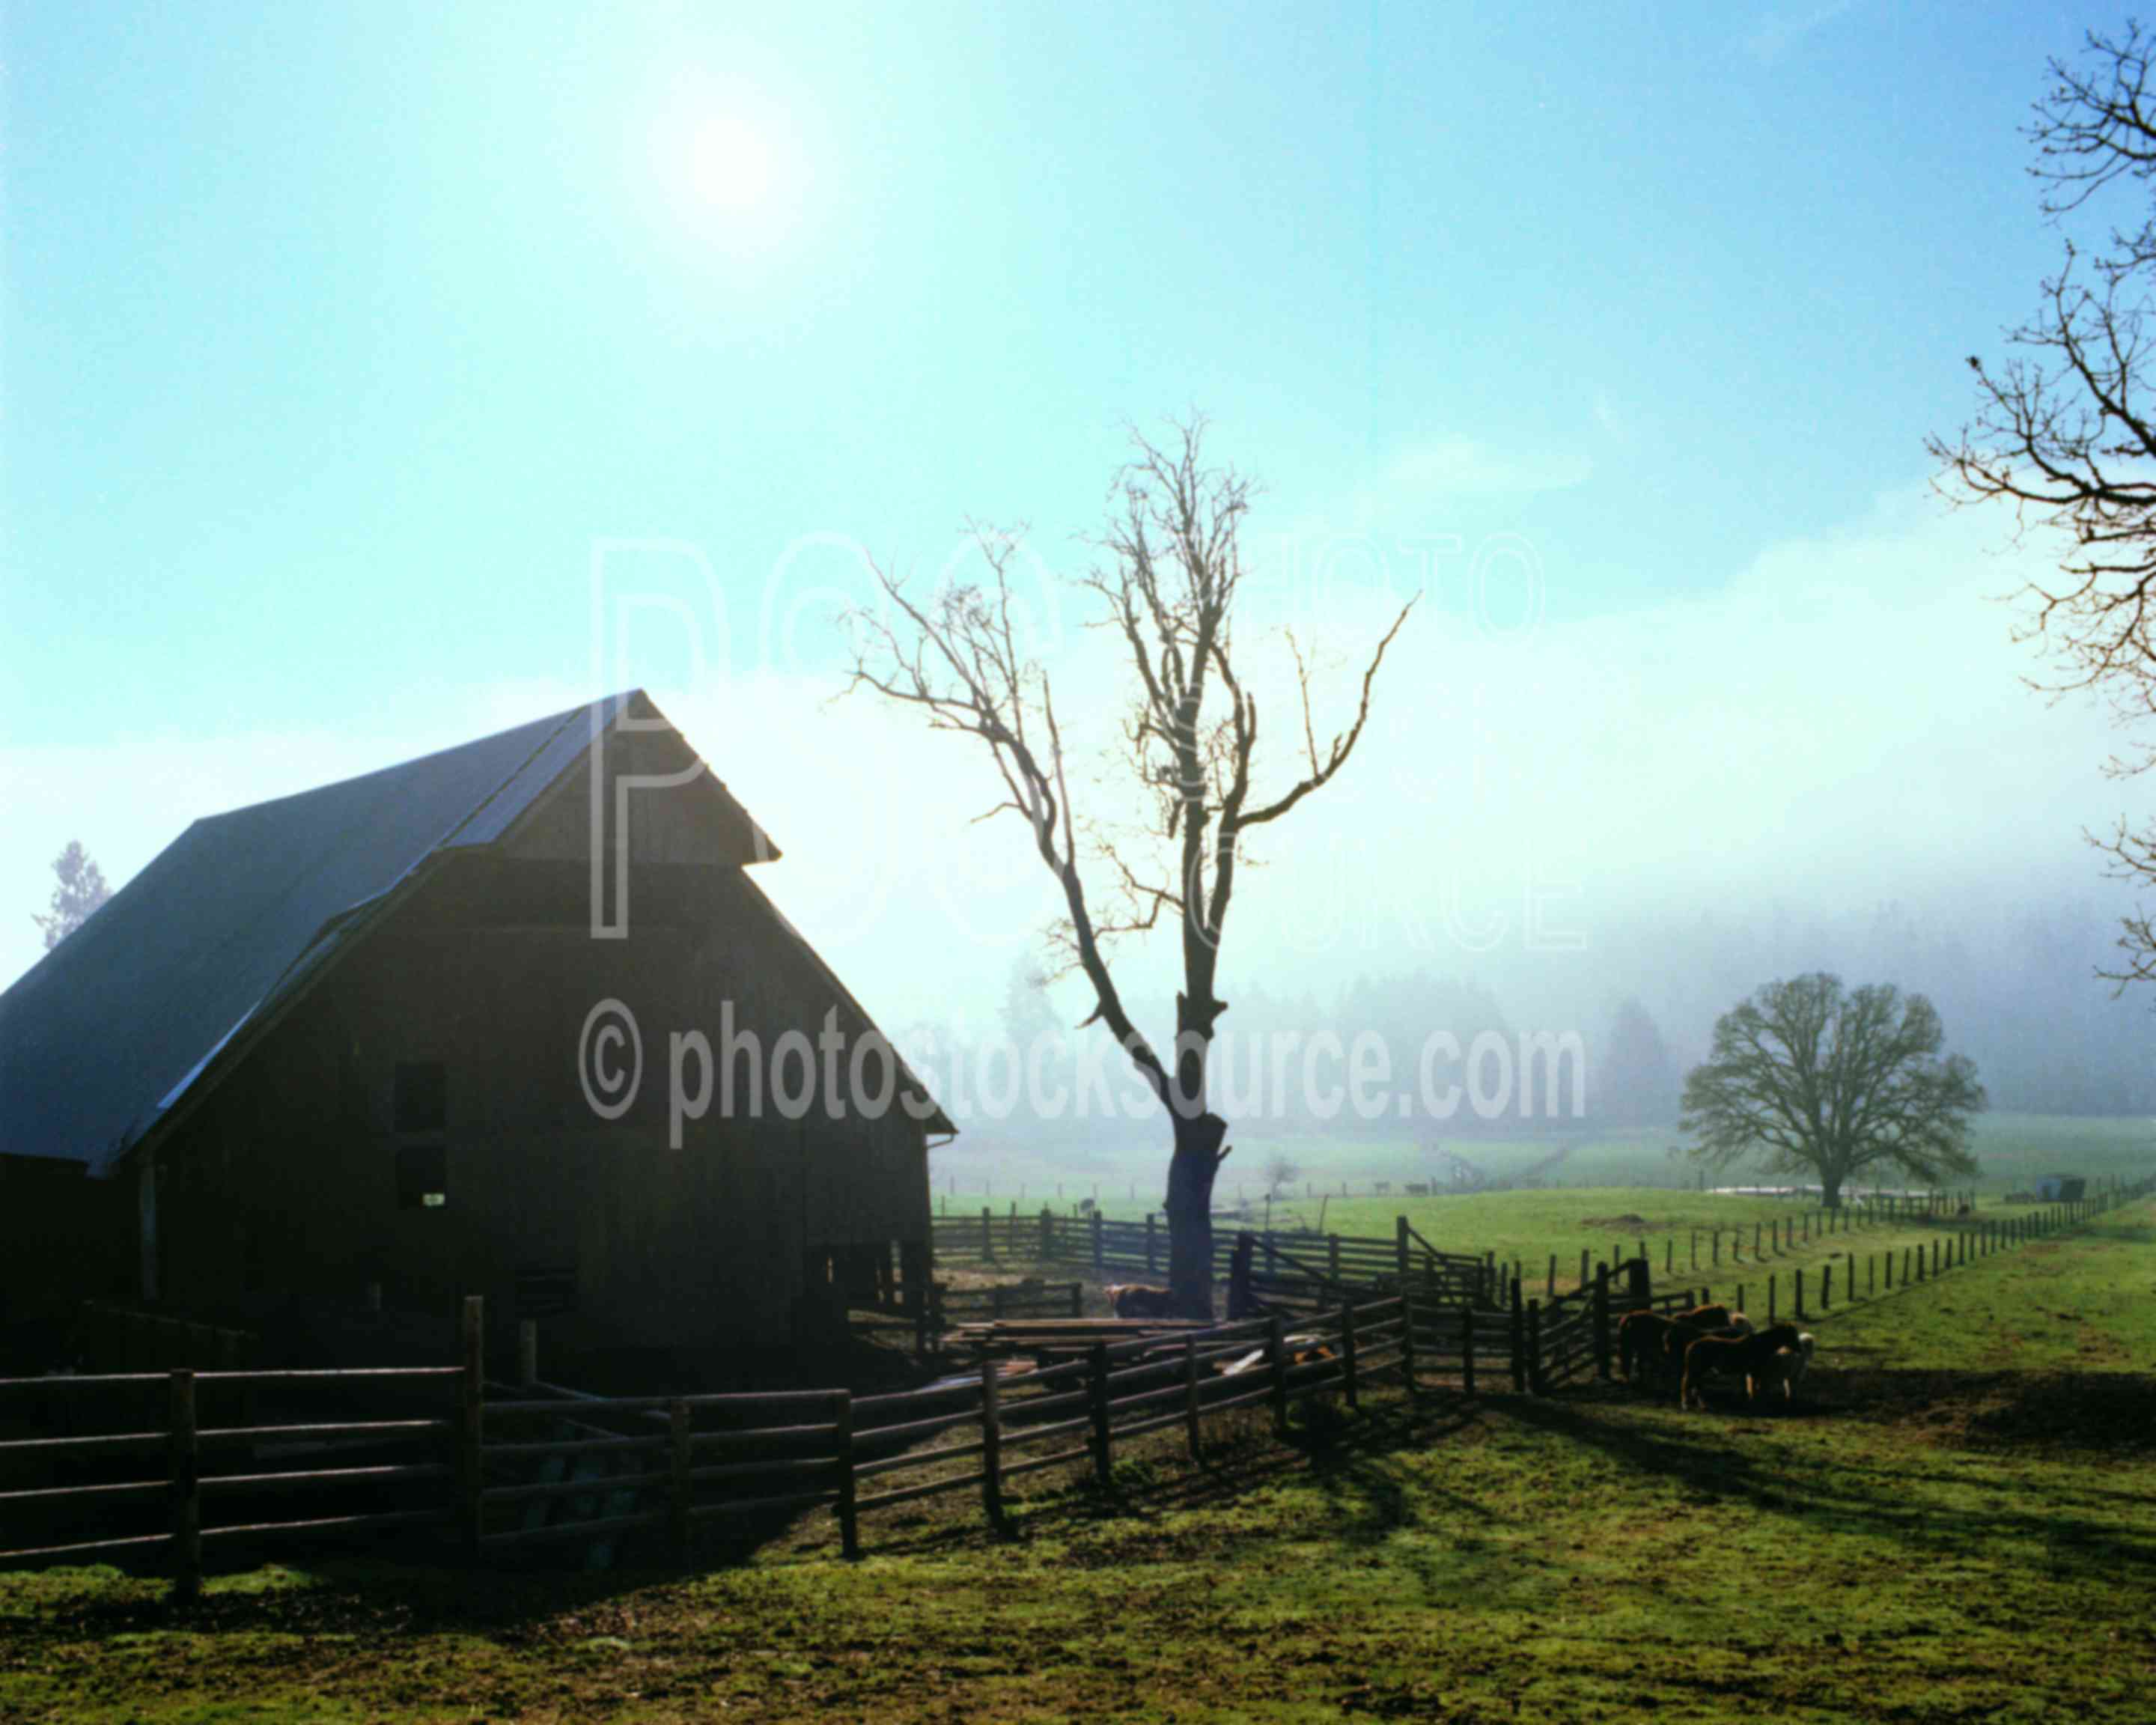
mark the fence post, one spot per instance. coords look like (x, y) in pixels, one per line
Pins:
(1097, 1401)
(471, 1418)
(1332, 1256)
(1550, 1291)
(1585, 1279)
(1518, 1339)
(187, 1489)
(992, 1446)
(677, 1456)
(1799, 1293)
(1098, 1259)
(850, 1531)
(1670, 1255)
(987, 1236)
(1077, 1299)
(1349, 1388)
(1535, 1347)
(1467, 1349)
(1151, 1260)
(527, 1352)
(1276, 1345)
(1826, 1287)
(1400, 1245)
(1192, 1408)
(1047, 1235)
(1602, 1322)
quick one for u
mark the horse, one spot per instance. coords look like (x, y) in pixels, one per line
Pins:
(1787, 1367)
(1131, 1300)
(1747, 1357)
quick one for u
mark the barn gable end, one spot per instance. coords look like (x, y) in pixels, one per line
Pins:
(398, 1116)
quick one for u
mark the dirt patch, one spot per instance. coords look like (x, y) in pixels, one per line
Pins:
(1631, 1224)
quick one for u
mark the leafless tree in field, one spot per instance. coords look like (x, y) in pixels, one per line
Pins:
(2065, 433)
(1814, 1078)
(1167, 588)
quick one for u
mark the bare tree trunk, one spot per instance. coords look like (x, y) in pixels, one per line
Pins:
(1190, 1173)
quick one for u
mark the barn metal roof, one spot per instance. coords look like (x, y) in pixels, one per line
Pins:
(109, 1032)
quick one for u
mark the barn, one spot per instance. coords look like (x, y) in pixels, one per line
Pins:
(413, 1035)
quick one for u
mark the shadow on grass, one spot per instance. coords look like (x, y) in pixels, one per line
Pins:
(1834, 1486)
(1826, 1474)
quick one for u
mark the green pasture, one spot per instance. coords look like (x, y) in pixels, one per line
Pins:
(1630, 1191)
(1125, 1171)
(1956, 1523)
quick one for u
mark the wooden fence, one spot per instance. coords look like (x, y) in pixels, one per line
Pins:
(506, 1466)
(438, 1447)
(1566, 1338)
(1311, 1269)
(189, 1443)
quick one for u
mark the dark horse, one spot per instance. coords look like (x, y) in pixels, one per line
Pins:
(1750, 1357)
(1647, 1338)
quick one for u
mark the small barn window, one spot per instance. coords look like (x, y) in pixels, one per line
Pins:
(422, 1096)
(423, 1177)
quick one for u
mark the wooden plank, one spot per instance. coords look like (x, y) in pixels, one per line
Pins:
(908, 1494)
(1103, 1438)
(334, 1524)
(386, 1475)
(547, 1490)
(131, 1488)
(85, 1547)
(1061, 1458)
(991, 1464)
(916, 1458)
(187, 1489)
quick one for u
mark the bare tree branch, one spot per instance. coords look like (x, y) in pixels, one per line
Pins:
(1168, 583)
(2065, 431)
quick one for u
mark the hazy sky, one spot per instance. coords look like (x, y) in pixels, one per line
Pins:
(341, 346)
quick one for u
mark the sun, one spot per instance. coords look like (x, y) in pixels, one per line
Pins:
(727, 161)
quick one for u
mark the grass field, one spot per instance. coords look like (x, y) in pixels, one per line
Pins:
(1958, 1523)
(1634, 1196)
(1125, 1174)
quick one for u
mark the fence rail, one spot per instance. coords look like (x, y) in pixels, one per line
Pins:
(536, 1463)
(1304, 1269)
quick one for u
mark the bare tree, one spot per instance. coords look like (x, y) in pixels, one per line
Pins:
(1167, 589)
(2066, 429)
(1280, 1170)
(1817, 1079)
(78, 889)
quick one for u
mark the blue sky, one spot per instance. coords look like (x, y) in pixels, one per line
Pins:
(332, 339)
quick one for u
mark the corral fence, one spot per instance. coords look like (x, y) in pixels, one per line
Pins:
(195, 1464)
(1567, 1338)
(494, 1467)
(1282, 1269)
